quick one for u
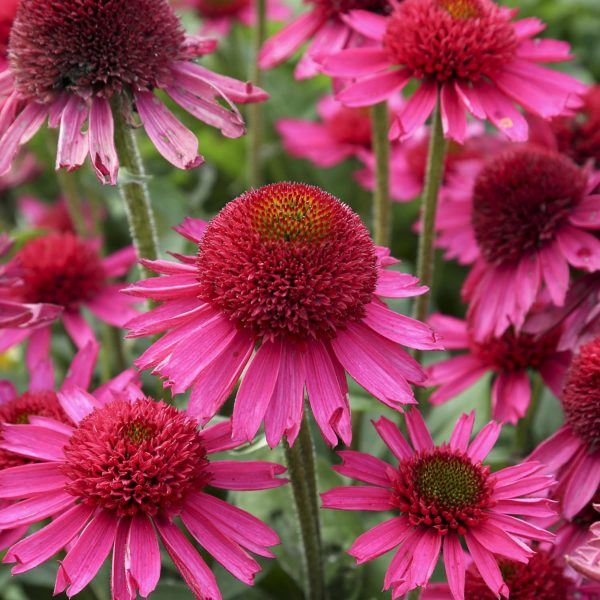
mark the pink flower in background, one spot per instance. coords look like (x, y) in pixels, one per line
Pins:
(482, 61)
(218, 16)
(8, 12)
(51, 216)
(509, 357)
(586, 559)
(523, 218)
(573, 452)
(291, 272)
(54, 277)
(440, 496)
(68, 70)
(115, 480)
(24, 169)
(328, 27)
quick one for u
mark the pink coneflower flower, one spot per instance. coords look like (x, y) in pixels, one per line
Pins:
(290, 271)
(542, 578)
(509, 357)
(61, 274)
(471, 50)
(51, 216)
(68, 59)
(328, 25)
(218, 16)
(586, 559)
(440, 496)
(525, 222)
(573, 452)
(8, 12)
(116, 480)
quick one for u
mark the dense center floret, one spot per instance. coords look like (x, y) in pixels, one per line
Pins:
(93, 46)
(464, 39)
(220, 8)
(444, 489)
(59, 269)
(337, 7)
(581, 395)
(520, 199)
(288, 259)
(135, 457)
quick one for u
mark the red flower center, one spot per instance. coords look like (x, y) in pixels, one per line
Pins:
(59, 269)
(444, 489)
(220, 8)
(465, 39)
(520, 199)
(8, 10)
(351, 126)
(93, 46)
(542, 578)
(18, 411)
(515, 352)
(131, 457)
(288, 259)
(337, 7)
(581, 394)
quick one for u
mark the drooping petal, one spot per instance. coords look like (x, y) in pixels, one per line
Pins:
(248, 475)
(454, 563)
(73, 143)
(374, 88)
(363, 467)
(102, 141)
(144, 554)
(34, 441)
(380, 539)
(28, 480)
(358, 498)
(34, 509)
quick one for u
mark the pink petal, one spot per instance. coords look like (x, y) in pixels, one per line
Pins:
(454, 563)
(121, 583)
(555, 272)
(580, 248)
(511, 394)
(81, 369)
(32, 479)
(374, 88)
(369, 24)
(583, 484)
(34, 442)
(558, 449)
(78, 329)
(119, 263)
(393, 284)
(459, 440)
(487, 566)
(175, 142)
(144, 564)
(587, 213)
(484, 441)
(417, 430)
(380, 539)
(363, 467)
(393, 439)
(76, 402)
(356, 62)
(358, 498)
(247, 475)
(454, 120)
(167, 315)
(330, 39)
(73, 145)
(34, 509)
(522, 529)
(102, 141)
(418, 108)
(499, 542)
(172, 287)
(192, 229)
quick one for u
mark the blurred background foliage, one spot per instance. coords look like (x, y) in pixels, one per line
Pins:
(201, 193)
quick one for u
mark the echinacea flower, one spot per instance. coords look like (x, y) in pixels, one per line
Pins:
(115, 480)
(542, 578)
(527, 219)
(573, 452)
(586, 558)
(480, 60)
(55, 276)
(53, 216)
(440, 496)
(68, 60)
(509, 357)
(218, 16)
(291, 272)
(326, 22)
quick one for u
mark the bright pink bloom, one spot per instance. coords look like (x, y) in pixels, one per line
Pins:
(481, 60)
(115, 480)
(542, 578)
(509, 357)
(67, 71)
(55, 276)
(291, 272)
(440, 496)
(573, 452)
(328, 24)
(586, 559)
(218, 16)
(523, 218)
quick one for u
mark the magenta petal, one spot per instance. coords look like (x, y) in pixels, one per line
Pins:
(487, 566)
(77, 403)
(41, 545)
(192, 229)
(121, 584)
(417, 430)
(555, 272)
(528, 507)
(356, 62)
(88, 553)
(29, 480)
(330, 39)
(582, 485)
(73, 143)
(511, 394)
(418, 108)
(522, 529)
(363, 467)
(358, 498)
(119, 262)
(454, 120)
(484, 441)
(247, 475)
(374, 88)
(495, 540)
(82, 367)
(454, 562)
(78, 329)
(34, 442)
(393, 439)
(380, 539)
(172, 139)
(144, 565)
(102, 141)
(369, 24)
(459, 440)
(34, 509)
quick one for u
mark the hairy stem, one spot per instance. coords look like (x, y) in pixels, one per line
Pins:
(382, 222)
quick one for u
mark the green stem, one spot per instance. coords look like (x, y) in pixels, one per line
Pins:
(301, 464)
(414, 594)
(523, 437)
(433, 180)
(382, 222)
(134, 190)
(69, 191)
(255, 111)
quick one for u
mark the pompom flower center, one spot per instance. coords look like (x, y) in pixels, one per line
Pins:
(515, 351)
(220, 8)
(541, 578)
(135, 457)
(288, 259)
(581, 394)
(340, 7)
(464, 39)
(520, 199)
(93, 46)
(18, 411)
(351, 126)
(59, 269)
(444, 489)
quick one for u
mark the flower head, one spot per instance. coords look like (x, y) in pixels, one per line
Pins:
(126, 466)
(290, 271)
(509, 357)
(481, 60)
(56, 275)
(69, 59)
(573, 452)
(523, 218)
(440, 495)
